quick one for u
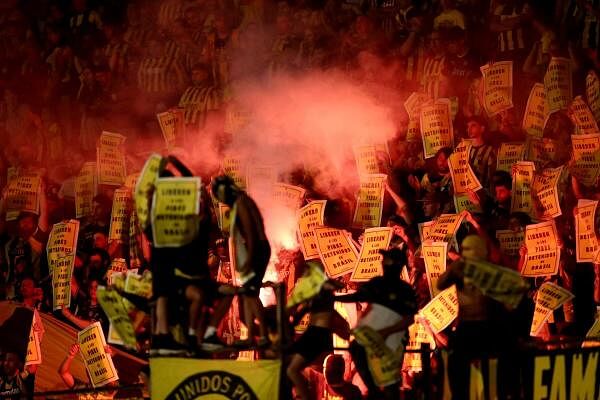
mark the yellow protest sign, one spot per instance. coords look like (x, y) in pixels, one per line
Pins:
(117, 266)
(22, 195)
(462, 202)
(119, 218)
(288, 196)
(98, 363)
(85, 190)
(586, 158)
(175, 210)
(592, 91)
(233, 168)
(442, 310)
(417, 335)
(111, 302)
(521, 200)
(143, 187)
(463, 177)
(413, 108)
(34, 349)
(425, 229)
(61, 282)
(541, 151)
(543, 253)
(536, 112)
(594, 331)
(369, 202)
(508, 155)
(172, 125)
(434, 255)
(497, 86)
(236, 118)
(586, 244)
(367, 158)
(445, 227)
(309, 217)
(548, 298)
(260, 180)
(62, 241)
(384, 363)
(336, 250)
(436, 127)
(110, 159)
(131, 181)
(558, 84)
(139, 285)
(369, 264)
(308, 286)
(582, 117)
(215, 379)
(501, 284)
(510, 241)
(544, 192)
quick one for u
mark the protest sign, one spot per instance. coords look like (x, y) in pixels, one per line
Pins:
(582, 117)
(336, 250)
(462, 202)
(369, 202)
(434, 255)
(586, 158)
(508, 155)
(175, 210)
(413, 108)
(308, 286)
(34, 348)
(98, 362)
(288, 196)
(544, 192)
(521, 200)
(510, 241)
(586, 244)
(233, 168)
(172, 126)
(383, 362)
(85, 190)
(369, 264)
(143, 188)
(463, 177)
(110, 159)
(558, 84)
(236, 118)
(22, 195)
(497, 86)
(310, 217)
(425, 229)
(61, 282)
(442, 310)
(62, 241)
(536, 112)
(592, 91)
(119, 218)
(112, 304)
(436, 127)
(445, 227)
(543, 253)
(417, 336)
(139, 285)
(548, 298)
(367, 158)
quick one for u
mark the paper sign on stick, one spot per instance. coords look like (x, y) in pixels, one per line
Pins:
(336, 250)
(369, 204)
(98, 363)
(436, 127)
(442, 310)
(543, 253)
(497, 87)
(545, 193)
(586, 158)
(549, 297)
(463, 177)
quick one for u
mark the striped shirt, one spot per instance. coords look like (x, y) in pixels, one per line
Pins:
(136, 36)
(432, 75)
(169, 12)
(160, 75)
(197, 101)
(82, 22)
(116, 55)
(511, 39)
(415, 63)
(483, 162)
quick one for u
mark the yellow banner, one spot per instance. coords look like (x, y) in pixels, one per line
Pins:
(215, 379)
(543, 253)
(445, 227)
(417, 335)
(582, 117)
(558, 84)
(501, 284)
(497, 87)
(112, 304)
(462, 202)
(521, 200)
(434, 255)
(384, 363)
(310, 217)
(175, 210)
(62, 241)
(85, 190)
(119, 218)
(22, 195)
(536, 112)
(592, 90)
(98, 363)
(442, 310)
(369, 202)
(139, 285)
(369, 264)
(308, 286)
(336, 250)
(463, 177)
(586, 244)
(34, 350)
(61, 282)
(143, 187)
(436, 127)
(510, 241)
(413, 104)
(544, 191)
(586, 158)
(233, 168)
(172, 125)
(508, 155)
(110, 159)
(288, 196)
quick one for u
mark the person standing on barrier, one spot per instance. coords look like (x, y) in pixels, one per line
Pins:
(392, 304)
(252, 252)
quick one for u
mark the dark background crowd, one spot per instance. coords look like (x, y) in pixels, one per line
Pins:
(71, 69)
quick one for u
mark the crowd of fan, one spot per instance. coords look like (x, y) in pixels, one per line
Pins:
(68, 70)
